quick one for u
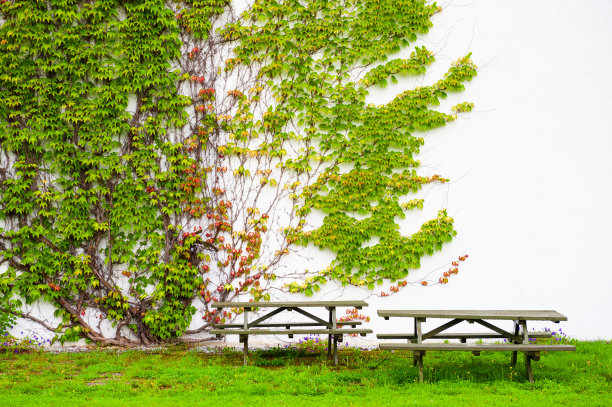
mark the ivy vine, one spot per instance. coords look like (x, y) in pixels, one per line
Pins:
(151, 150)
(311, 54)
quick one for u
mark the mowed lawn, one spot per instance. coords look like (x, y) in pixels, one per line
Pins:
(186, 377)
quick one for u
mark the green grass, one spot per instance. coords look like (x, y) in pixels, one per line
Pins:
(182, 377)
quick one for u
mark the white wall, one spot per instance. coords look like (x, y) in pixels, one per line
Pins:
(531, 172)
(531, 176)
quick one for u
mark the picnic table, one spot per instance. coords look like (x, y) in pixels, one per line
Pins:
(315, 325)
(516, 341)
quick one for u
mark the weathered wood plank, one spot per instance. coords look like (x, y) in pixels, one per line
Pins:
(475, 347)
(289, 304)
(531, 315)
(461, 335)
(289, 324)
(255, 331)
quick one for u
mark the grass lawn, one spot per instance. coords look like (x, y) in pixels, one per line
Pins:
(185, 377)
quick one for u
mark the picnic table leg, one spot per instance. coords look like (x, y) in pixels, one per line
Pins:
(414, 354)
(525, 332)
(419, 331)
(515, 353)
(245, 350)
(246, 337)
(528, 355)
(329, 337)
(528, 367)
(419, 357)
(336, 350)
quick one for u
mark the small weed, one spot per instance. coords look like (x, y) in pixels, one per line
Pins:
(558, 337)
(310, 344)
(231, 351)
(261, 362)
(10, 344)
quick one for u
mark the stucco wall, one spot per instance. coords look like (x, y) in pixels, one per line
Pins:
(531, 166)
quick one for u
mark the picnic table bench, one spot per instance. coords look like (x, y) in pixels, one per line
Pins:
(331, 327)
(517, 341)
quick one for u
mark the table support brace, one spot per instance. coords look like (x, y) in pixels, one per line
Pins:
(499, 330)
(441, 328)
(268, 315)
(314, 317)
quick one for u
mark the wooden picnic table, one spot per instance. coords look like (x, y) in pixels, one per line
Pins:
(517, 340)
(315, 325)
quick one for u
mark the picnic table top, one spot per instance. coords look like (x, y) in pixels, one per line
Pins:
(534, 315)
(289, 304)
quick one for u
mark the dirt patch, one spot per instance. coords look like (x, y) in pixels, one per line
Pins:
(104, 379)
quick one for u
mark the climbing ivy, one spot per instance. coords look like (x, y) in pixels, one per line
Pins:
(90, 188)
(311, 55)
(151, 151)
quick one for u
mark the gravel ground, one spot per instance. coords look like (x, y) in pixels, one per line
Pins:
(210, 346)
